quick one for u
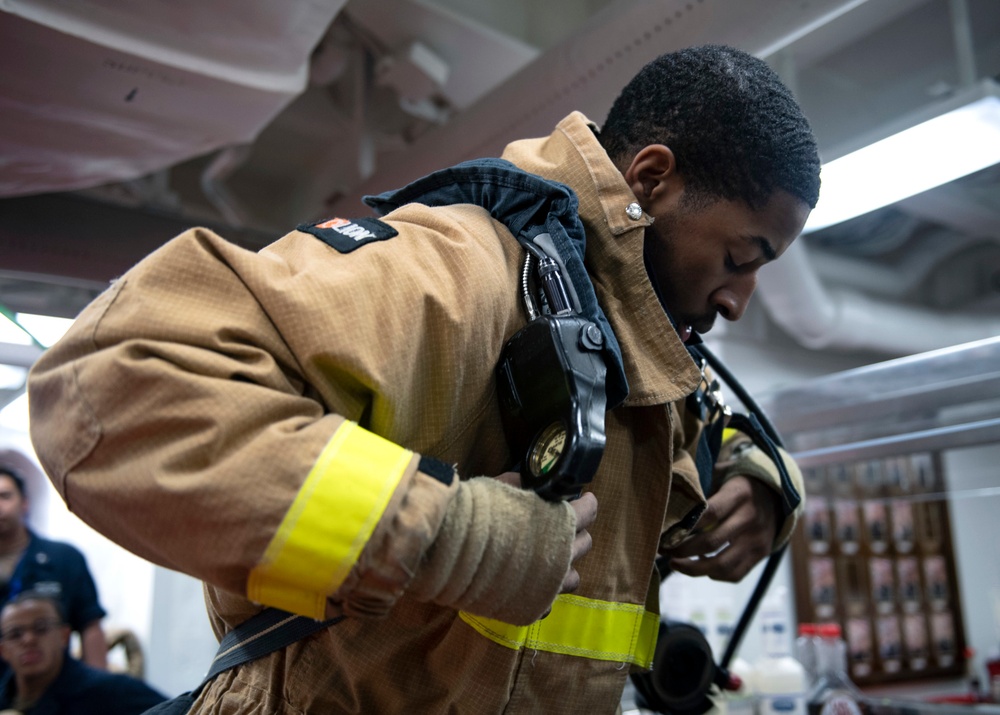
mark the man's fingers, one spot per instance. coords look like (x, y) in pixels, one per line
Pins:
(700, 544)
(586, 510)
(582, 544)
(729, 562)
(727, 565)
(571, 582)
(739, 517)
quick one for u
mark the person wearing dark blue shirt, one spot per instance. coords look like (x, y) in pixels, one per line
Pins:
(44, 680)
(27, 561)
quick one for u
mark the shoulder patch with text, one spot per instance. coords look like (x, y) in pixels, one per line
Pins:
(347, 234)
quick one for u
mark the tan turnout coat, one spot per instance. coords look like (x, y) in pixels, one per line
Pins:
(183, 412)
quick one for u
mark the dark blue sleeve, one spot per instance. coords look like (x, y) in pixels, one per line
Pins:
(83, 607)
(54, 561)
(82, 690)
(132, 697)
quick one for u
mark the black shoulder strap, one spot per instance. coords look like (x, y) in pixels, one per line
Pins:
(268, 631)
(754, 424)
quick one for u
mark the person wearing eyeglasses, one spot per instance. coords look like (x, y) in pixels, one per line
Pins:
(44, 680)
(31, 562)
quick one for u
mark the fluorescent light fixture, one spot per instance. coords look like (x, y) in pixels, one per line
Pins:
(960, 137)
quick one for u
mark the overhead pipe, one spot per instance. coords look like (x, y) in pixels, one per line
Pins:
(819, 318)
(961, 31)
(213, 184)
(17, 355)
(902, 277)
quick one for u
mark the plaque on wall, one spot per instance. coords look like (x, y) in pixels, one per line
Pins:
(874, 554)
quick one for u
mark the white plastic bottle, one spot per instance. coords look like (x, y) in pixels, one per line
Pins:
(780, 679)
(805, 649)
(742, 701)
(833, 693)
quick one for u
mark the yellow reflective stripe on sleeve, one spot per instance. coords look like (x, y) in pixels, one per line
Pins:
(583, 627)
(728, 433)
(329, 523)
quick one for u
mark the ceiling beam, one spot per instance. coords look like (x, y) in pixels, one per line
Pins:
(587, 71)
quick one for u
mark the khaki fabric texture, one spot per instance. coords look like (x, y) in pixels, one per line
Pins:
(184, 410)
(409, 525)
(481, 565)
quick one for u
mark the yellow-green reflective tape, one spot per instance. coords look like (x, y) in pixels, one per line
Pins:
(583, 627)
(330, 521)
(728, 433)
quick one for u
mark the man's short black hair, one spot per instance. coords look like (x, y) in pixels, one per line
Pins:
(38, 595)
(736, 131)
(14, 477)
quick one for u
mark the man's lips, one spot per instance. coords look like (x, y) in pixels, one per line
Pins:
(30, 657)
(701, 327)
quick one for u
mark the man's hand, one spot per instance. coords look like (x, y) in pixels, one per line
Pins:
(586, 513)
(736, 531)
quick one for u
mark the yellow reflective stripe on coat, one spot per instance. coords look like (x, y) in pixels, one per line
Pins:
(583, 627)
(329, 523)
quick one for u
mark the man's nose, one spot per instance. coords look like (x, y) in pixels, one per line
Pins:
(27, 636)
(731, 300)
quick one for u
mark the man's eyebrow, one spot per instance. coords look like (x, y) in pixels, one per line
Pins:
(765, 247)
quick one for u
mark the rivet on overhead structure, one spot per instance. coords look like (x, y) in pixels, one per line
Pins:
(418, 75)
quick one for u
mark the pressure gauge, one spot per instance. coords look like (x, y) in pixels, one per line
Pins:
(547, 449)
(551, 388)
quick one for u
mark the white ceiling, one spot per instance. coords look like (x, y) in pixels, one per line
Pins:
(127, 123)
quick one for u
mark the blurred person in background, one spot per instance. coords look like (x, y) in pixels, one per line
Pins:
(44, 680)
(27, 561)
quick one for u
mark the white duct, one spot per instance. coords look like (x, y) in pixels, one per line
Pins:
(819, 318)
(213, 184)
(893, 281)
(19, 355)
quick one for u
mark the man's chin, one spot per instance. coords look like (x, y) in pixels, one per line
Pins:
(31, 661)
(685, 329)
(702, 326)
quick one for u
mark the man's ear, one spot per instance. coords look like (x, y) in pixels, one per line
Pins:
(653, 177)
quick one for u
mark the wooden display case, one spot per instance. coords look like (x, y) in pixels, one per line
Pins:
(874, 550)
(874, 554)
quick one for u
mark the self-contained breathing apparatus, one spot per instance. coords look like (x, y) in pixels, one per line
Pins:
(562, 371)
(551, 379)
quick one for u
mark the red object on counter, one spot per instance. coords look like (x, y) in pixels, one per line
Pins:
(993, 671)
(960, 699)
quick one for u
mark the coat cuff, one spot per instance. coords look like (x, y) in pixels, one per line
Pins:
(743, 457)
(502, 553)
(406, 530)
